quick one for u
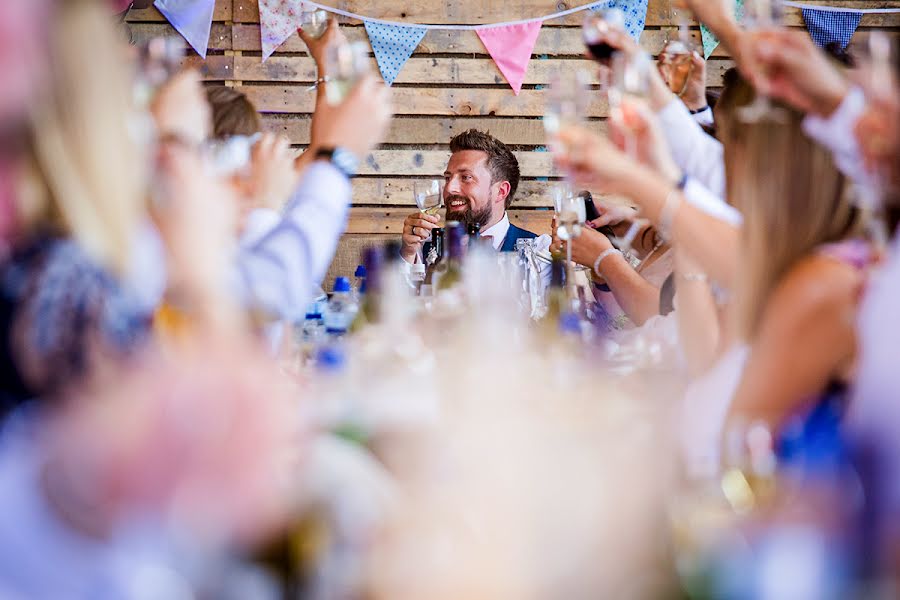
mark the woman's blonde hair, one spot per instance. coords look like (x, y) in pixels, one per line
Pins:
(85, 174)
(791, 195)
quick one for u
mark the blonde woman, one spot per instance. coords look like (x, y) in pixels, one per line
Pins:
(79, 210)
(797, 278)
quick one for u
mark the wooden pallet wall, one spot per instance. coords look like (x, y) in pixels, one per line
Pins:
(450, 84)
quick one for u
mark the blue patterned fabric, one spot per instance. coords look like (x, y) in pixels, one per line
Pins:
(393, 45)
(827, 26)
(57, 306)
(635, 15)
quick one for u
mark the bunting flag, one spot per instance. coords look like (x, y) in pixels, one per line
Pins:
(635, 15)
(278, 20)
(710, 41)
(828, 26)
(191, 18)
(510, 46)
(393, 45)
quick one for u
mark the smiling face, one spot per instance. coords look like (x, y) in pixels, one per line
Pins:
(470, 195)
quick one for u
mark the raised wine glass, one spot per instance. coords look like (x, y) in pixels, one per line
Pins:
(428, 194)
(761, 16)
(314, 23)
(345, 64)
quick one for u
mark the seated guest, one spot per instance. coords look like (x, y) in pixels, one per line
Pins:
(480, 183)
(629, 295)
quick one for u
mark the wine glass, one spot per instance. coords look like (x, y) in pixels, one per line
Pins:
(594, 29)
(759, 16)
(345, 64)
(570, 218)
(314, 23)
(631, 88)
(876, 73)
(566, 100)
(429, 197)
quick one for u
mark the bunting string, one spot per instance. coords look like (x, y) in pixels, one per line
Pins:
(556, 15)
(862, 11)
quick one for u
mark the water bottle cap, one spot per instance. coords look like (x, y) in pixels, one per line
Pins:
(569, 323)
(360, 271)
(330, 359)
(313, 315)
(341, 284)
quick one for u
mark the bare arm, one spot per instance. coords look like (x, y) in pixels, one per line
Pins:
(806, 339)
(698, 316)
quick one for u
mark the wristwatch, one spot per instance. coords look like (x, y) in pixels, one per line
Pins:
(344, 160)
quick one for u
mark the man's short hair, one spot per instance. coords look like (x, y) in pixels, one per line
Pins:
(232, 113)
(501, 162)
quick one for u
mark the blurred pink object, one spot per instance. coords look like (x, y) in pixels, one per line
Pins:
(206, 440)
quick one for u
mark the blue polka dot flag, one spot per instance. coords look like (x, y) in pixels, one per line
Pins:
(827, 26)
(393, 45)
(635, 14)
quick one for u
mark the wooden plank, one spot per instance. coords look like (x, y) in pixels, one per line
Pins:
(494, 11)
(424, 131)
(469, 102)
(552, 41)
(437, 71)
(222, 12)
(382, 191)
(216, 67)
(428, 163)
(365, 220)
(219, 36)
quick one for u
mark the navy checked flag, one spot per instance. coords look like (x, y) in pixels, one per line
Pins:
(828, 26)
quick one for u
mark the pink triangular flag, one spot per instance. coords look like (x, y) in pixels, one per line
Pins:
(278, 20)
(510, 46)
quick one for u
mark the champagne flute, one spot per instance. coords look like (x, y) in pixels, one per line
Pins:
(345, 64)
(429, 197)
(675, 58)
(631, 88)
(314, 23)
(759, 16)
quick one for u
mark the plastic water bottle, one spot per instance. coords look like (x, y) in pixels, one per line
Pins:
(341, 309)
(359, 281)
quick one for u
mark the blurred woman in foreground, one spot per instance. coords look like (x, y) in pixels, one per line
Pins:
(797, 286)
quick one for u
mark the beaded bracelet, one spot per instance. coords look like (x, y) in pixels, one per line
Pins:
(603, 255)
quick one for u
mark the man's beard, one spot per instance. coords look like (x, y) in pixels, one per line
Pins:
(466, 215)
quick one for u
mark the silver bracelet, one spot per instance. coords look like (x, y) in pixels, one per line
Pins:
(695, 277)
(603, 255)
(318, 82)
(668, 212)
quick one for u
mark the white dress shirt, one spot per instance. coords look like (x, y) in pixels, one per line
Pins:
(836, 133)
(697, 154)
(277, 271)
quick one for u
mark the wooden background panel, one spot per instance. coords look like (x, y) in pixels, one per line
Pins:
(449, 85)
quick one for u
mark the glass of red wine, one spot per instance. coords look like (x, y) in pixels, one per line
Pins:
(594, 29)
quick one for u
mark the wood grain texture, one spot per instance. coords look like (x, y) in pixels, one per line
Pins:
(426, 131)
(438, 70)
(462, 102)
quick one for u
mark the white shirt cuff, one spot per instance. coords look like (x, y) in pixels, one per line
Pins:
(704, 117)
(700, 197)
